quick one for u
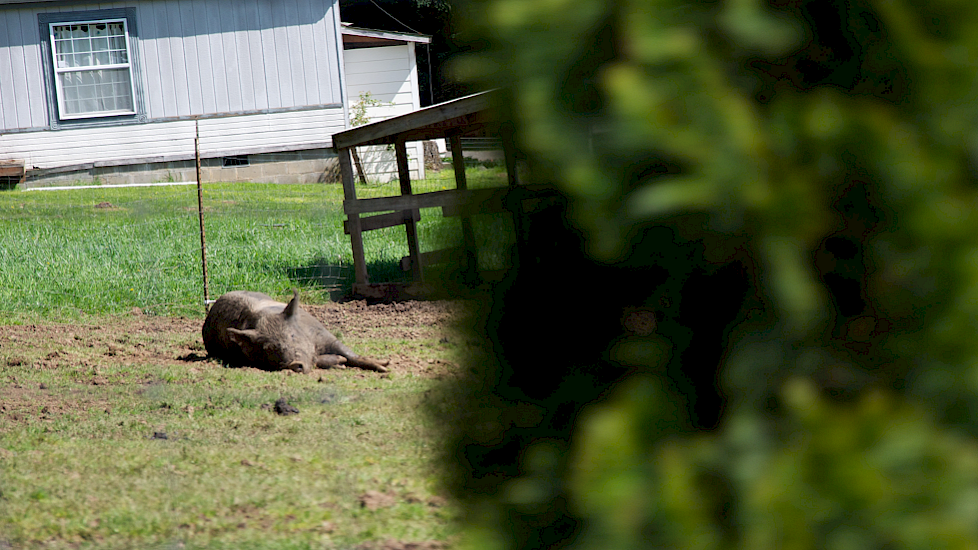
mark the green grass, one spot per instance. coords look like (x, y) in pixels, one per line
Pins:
(85, 471)
(79, 466)
(62, 255)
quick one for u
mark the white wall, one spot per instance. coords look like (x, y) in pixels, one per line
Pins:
(174, 140)
(390, 74)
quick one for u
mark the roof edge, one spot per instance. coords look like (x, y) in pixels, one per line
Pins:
(384, 35)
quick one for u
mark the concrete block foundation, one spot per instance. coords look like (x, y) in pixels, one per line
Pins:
(308, 166)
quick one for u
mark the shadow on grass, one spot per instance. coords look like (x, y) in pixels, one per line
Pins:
(337, 279)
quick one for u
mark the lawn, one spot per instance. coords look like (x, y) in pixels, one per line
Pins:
(108, 250)
(117, 432)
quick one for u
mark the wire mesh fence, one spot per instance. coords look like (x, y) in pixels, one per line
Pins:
(111, 248)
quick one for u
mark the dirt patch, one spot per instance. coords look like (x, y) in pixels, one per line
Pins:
(401, 545)
(92, 353)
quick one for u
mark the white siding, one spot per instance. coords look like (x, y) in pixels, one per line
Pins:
(390, 74)
(218, 136)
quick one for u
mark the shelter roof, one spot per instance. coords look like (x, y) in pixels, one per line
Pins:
(460, 116)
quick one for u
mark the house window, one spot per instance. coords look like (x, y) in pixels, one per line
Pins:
(92, 68)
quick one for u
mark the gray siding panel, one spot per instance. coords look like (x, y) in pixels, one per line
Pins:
(242, 40)
(18, 69)
(310, 78)
(181, 24)
(231, 56)
(293, 64)
(198, 59)
(163, 64)
(266, 13)
(218, 58)
(8, 105)
(324, 42)
(36, 95)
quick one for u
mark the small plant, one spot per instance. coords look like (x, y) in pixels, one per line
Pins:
(358, 111)
(358, 117)
(170, 178)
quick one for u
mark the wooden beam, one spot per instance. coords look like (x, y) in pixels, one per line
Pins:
(470, 198)
(458, 162)
(468, 234)
(434, 114)
(434, 199)
(356, 237)
(509, 151)
(380, 221)
(12, 169)
(410, 226)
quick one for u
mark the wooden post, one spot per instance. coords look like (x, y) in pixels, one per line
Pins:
(410, 226)
(468, 234)
(353, 220)
(200, 212)
(359, 165)
(520, 224)
(509, 152)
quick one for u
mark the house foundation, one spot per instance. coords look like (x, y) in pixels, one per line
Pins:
(307, 166)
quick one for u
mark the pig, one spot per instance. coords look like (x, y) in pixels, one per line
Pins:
(246, 328)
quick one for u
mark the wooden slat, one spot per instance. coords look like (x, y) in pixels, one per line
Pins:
(424, 117)
(471, 198)
(434, 199)
(11, 168)
(381, 221)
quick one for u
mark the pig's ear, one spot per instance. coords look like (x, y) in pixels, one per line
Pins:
(293, 305)
(242, 337)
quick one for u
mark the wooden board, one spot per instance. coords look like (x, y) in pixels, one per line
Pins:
(471, 200)
(11, 169)
(380, 221)
(387, 129)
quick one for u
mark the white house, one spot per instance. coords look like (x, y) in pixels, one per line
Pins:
(117, 91)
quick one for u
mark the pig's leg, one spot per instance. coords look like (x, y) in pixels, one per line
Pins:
(329, 361)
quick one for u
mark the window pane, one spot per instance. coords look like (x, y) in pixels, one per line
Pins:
(93, 45)
(97, 91)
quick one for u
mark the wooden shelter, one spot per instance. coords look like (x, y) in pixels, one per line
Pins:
(450, 120)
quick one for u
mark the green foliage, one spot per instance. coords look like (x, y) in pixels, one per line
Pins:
(826, 147)
(80, 466)
(358, 111)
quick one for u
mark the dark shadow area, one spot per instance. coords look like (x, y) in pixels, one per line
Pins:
(553, 326)
(338, 279)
